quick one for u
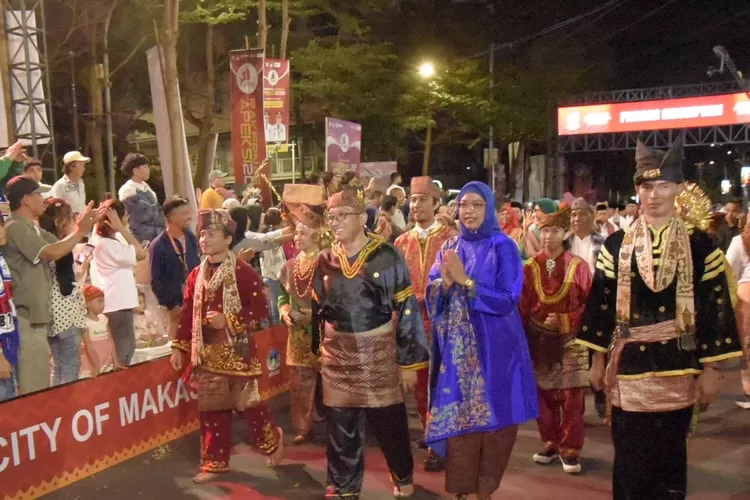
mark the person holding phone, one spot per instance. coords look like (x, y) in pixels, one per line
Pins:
(115, 255)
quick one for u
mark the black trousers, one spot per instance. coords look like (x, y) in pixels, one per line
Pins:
(650, 454)
(346, 447)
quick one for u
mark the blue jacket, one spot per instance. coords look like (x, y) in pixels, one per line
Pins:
(168, 275)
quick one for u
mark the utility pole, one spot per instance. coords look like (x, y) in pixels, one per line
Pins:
(491, 145)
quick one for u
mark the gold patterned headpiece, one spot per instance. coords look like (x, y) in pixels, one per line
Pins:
(560, 218)
(656, 165)
(305, 203)
(348, 197)
(215, 219)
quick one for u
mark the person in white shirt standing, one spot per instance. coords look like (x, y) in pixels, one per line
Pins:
(738, 256)
(585, 242)
(115, 254)
(70, 186)
(146, 218)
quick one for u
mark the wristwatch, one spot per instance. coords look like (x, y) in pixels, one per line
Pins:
(469, 283)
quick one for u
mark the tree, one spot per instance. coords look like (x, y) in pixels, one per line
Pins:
(208, 14)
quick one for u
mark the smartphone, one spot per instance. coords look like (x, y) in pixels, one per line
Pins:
(86, 252)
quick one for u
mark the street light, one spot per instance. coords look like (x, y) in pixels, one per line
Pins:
(427, 70)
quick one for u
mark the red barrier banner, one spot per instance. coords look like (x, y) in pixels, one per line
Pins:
(690, 112)
(248, 133)
(53, 438)
(343, 145)
(276, 100)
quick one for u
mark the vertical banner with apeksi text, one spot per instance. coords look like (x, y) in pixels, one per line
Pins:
(343, 145)
(248, 134)
(276, 100)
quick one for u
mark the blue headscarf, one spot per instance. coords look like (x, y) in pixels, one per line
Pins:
(489, 226)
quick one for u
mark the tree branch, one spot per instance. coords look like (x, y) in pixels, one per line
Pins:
(129, 57)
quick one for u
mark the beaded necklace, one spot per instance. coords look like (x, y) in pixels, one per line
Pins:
(303, 276)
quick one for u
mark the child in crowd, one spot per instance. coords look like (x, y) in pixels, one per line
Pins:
(98, 345)
(148, 331)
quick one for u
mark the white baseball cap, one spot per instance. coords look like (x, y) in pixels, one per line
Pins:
(72, 156)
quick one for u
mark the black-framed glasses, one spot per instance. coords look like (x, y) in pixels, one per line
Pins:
(337, 218)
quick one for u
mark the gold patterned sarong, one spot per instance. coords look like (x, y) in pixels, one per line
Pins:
(651, 392)
(359, 369)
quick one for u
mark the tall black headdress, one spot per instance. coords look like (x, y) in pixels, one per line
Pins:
(656, 165)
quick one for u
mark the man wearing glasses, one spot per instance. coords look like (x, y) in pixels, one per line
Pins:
(357, 286)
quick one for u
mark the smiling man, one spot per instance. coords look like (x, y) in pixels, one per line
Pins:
(358, 285)
(660, 305)
(420, 247)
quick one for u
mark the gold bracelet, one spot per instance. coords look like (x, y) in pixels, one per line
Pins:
(469, 283)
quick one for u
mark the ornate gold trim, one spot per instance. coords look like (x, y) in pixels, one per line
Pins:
(351, 270)
(564, 288)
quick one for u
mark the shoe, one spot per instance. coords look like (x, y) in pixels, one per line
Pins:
(546, 457)
(433, 462)
(275, 459)
(571, 465)
(301, 438)
(204, 477)
(744, 403)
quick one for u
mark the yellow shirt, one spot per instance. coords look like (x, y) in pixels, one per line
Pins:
(211, 199)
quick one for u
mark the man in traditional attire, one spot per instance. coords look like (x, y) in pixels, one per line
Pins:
(660, 304)
(555, 288)
(305, 205)
(586, 243)
(224, 304)
(420, 247)
(358, 285)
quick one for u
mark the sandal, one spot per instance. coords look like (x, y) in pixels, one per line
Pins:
(204, 477)
(404, 491)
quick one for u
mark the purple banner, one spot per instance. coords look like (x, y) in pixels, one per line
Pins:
(343, 145)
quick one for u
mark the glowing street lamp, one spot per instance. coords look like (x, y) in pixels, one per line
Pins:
(427, 70)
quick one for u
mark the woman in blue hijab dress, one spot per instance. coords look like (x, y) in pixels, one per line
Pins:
(481, 377)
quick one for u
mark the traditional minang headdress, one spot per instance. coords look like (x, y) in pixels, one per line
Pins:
(580, 204)
(305, 203)
(348, 197)
(424, 185)
(559, 218)
(656, 165)
(216, 219)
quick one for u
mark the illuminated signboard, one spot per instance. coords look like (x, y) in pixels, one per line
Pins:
(691, 112)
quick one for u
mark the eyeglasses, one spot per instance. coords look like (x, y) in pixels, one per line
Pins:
(338, 218)
(476, 206)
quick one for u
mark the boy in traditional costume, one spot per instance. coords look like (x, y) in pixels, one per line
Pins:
(305, 204)
(556, 285)
(224, 304)
(660, 306)
(358, 285)
(420, 247)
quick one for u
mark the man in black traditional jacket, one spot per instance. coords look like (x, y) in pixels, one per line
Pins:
(660, 306)
(358, 285)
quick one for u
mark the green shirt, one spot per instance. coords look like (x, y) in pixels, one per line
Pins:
(31, 276)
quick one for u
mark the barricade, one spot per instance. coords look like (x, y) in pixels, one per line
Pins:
(53, 438)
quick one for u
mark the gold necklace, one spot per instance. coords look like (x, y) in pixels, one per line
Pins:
(304, 276)
(351, 270)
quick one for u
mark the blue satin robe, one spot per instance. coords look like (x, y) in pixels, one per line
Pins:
(481, 375)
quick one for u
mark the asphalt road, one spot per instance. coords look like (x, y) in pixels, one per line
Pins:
(719, 466)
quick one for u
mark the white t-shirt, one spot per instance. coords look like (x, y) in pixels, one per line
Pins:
(739, 260)
(112, 271)
(131, 187)
(72, 192)
(582, 248)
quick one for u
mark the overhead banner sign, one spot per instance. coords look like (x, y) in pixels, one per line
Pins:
(343, 145)
(56, 437)
(276, 100)
(248, 132)
(690, 112)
